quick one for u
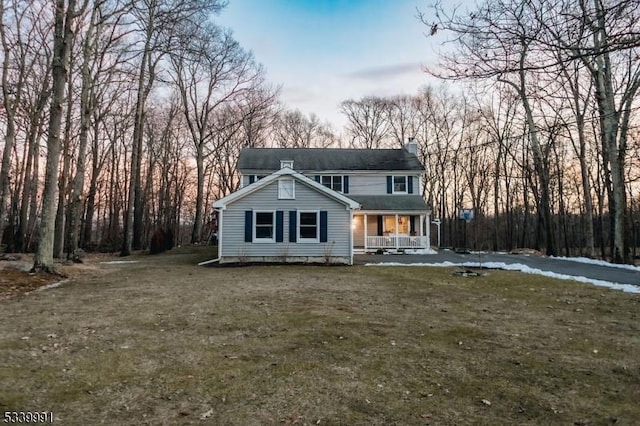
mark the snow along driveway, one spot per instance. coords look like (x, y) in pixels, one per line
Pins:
(594, 271)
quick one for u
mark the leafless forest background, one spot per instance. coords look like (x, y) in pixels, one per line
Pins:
(121, 123)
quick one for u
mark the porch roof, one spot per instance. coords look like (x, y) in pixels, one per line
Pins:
(391, 203)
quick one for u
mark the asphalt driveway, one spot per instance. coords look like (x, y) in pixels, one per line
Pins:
(598, 272)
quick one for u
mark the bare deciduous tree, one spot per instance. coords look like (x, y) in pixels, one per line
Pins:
(368, 121)
(295, 130)
(65, 17)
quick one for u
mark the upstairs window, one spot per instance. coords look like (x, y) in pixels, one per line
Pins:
(399, 184)
(333, 182)
(255, 178)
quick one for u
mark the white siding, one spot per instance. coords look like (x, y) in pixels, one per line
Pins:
(364, 184)
(306, 198)
(374, 183)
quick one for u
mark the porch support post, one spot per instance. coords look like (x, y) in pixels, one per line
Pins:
(366, 235)
(351, 239)
(396, 229)
(421, 230)
(428, 233)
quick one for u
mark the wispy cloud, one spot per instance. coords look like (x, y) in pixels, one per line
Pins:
(297, 94)
(386, 72)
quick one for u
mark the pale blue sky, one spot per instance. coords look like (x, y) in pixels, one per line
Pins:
(325, 51)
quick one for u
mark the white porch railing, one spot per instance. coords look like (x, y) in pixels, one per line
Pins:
(397, 241)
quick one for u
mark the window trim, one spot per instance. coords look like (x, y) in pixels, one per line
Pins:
(302, 240)
(281, 193)
(393, 184)
(261, 240)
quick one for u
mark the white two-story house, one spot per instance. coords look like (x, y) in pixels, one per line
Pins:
(322, 205)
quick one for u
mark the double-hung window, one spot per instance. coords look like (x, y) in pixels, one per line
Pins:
(308, 227)
(399, 184)
(263, 230)
(333, 182)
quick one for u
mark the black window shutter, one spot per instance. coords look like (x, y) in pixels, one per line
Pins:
(345, 185)
(293, 231)
(248, 226)
(410, 184)
(323, 226)
(389, 184)
(380, 225)
(318, 178)
(252, 179)
(412, 224)
(279, 226)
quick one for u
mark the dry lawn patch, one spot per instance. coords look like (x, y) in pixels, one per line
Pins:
(164, 341)
(16, 278)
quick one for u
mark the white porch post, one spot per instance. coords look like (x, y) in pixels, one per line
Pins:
(365, 233)
(351, 240)
(421, 229)
(396, 229)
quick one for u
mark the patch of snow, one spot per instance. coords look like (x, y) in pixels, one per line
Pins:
(628, 288)
(420, 251)
(598, 262)
(119, 262)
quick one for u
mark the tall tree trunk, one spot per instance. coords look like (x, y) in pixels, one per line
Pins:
(63, 33)
(613, 136)
(136, 148)
(63, 181)
(10, 100)
(197, 223)
(77, 187)
(539, 163)
(30, 187)
(93, 189)
(588, 199)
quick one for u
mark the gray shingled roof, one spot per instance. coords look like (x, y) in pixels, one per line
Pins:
(319, 159)
(390, 202)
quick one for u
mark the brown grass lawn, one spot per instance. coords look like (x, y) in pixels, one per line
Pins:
(163, 341)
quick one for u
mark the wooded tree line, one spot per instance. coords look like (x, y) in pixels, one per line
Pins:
(574, 68)
(122, 121)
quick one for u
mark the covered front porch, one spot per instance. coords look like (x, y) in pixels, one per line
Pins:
(373, 231)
